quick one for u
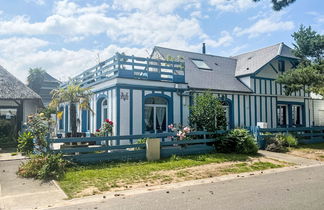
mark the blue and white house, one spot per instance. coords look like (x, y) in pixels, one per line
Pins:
(144, 95)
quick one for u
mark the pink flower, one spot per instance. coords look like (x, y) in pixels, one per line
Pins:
(186, 129)
(170, 126)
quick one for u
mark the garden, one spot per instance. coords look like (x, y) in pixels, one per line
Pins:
(235, 151)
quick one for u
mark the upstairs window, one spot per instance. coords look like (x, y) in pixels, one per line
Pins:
(201, 64)
(281, 66)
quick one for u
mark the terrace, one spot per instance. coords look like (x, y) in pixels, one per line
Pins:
(124, 66)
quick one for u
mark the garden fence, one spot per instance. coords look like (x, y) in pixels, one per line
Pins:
(124, 148)
(304, 135)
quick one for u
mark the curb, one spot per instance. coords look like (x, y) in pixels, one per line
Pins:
(59, 188)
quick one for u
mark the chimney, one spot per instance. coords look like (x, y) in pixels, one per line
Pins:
(204, 48)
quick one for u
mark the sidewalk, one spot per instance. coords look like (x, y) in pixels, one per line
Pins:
(18, 193)
(290, 158)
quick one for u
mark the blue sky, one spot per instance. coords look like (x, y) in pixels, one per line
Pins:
(67, 36)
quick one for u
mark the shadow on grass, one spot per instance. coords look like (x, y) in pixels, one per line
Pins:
(312, 146)
(188, 159)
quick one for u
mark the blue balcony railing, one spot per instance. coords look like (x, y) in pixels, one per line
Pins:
(132, 67)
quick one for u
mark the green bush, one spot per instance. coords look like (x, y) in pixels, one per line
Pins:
(140, 141)
(45, 167)
(280, 143)
(25, 143)
(290, 141)
(237, 141)
(207, 113)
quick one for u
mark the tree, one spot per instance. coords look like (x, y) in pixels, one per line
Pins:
(36, 78)
(207, 113)
(277, 5)
(309, 74)
(72, 94)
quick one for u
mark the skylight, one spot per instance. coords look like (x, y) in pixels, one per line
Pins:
(201, 64)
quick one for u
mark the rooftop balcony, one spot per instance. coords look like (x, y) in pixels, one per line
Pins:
(124, 66)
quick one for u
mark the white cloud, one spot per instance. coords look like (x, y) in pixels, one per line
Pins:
(38, 2)
(61, 64)
(158, 6)
(232, 5)
(224, 40)
(319, 18)
(145, 28)
(265, 26)
(15, 47)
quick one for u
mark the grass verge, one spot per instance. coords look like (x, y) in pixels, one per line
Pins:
(87, 180)
(310, 151)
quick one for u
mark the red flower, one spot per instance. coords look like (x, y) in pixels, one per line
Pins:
(98, 130)
(111, 122)
(107, 120)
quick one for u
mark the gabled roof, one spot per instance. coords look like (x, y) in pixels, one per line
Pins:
(49, 78)
(14, 89)
(220, 77)
(249, 63)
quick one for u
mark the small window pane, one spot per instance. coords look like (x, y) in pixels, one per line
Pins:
(149, 119)
(155, 100)
(201, 64)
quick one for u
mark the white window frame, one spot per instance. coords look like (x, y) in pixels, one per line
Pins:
(293, 117)
(103, 107)
(154, 116)
(287, 114)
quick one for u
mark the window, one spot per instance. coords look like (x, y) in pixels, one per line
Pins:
(88, 120)
(61, 109)
(226, 107)
(282, 115)
(104, 110)
(155, 114)
(296, 115)
(281, 66)
(201, 64)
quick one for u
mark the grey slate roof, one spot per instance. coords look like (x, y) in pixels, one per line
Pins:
(221, 77)
(248, 63)
(12, 88)
(50, 78)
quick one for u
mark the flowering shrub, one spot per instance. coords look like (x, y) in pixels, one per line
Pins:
(106, 129)
(38, 125)
(181, 131)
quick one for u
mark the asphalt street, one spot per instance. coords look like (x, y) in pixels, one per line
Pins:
(294, 189)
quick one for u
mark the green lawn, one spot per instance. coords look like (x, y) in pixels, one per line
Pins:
(107, 176)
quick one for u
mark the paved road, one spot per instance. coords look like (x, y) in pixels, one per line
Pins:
(295, 189)
(18, 193)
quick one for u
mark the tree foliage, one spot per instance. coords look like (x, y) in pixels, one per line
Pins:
(207, 113)
(35, 78)
(72, 94)
(277, 5)
(309, 74)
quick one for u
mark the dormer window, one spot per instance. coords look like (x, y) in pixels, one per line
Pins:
(201, 64)
(281, 65)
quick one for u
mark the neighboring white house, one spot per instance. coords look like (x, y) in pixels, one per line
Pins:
(144, 95)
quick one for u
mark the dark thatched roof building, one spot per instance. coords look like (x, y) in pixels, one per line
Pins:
(17, 101)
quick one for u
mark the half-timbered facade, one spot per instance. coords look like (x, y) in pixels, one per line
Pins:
(144, 95)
